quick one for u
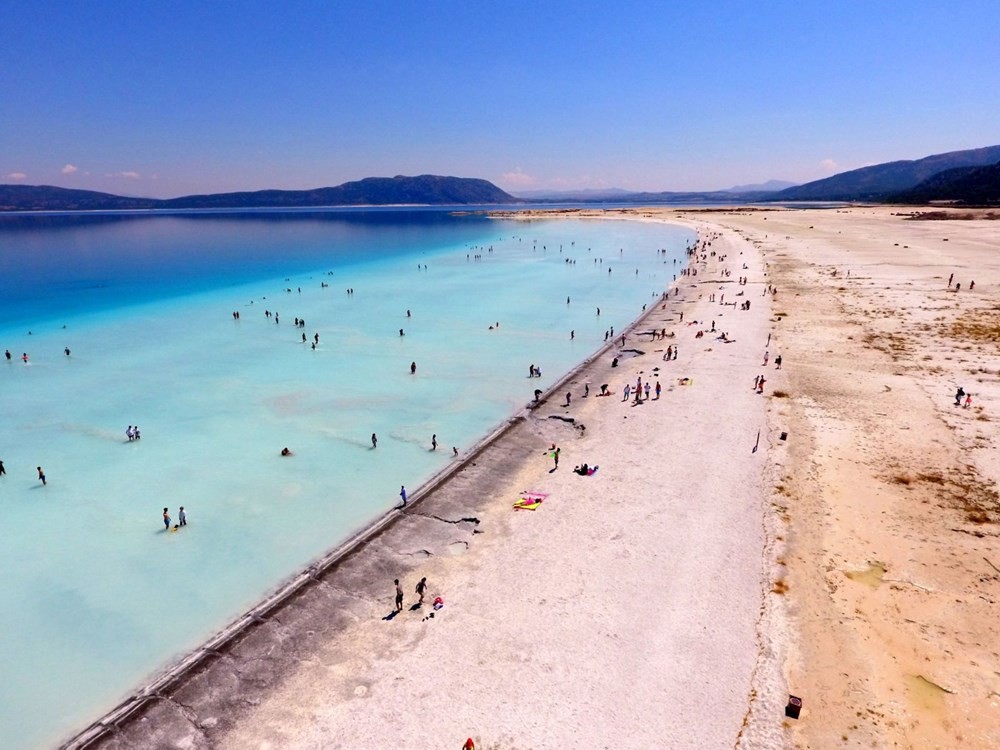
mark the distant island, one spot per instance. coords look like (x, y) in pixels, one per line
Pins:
(429, 190)
(965, 178)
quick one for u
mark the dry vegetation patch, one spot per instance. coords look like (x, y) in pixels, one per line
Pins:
(978, 325)
(960, 488)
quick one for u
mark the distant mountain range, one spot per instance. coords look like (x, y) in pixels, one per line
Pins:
(888, 182)
(372, 191)
(771, 186)
(974, 186)
(618, 195)
(581, 195)
(969, 177)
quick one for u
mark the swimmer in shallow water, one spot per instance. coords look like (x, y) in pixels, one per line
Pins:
(285, 452)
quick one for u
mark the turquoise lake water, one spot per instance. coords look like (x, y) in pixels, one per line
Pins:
(96, 596)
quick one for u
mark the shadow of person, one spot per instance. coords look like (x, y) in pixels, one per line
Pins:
(391, 615)
(416, 606)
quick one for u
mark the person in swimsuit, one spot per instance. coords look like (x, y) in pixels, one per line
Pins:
(421, 590)
(166, 519)
(399, 596)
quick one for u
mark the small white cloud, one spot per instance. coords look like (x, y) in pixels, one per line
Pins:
(828, 165)
(517, 178)
(16, 176)
(126, 175)
(69, 169)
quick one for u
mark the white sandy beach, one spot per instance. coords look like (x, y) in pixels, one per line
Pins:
(678, 596)
(888, 491)
(622, 612)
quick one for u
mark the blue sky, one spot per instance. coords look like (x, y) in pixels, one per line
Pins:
(165, 99)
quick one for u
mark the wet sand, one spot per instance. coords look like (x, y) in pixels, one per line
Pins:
(629, 608)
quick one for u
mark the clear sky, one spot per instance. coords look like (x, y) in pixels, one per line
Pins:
(171, 98)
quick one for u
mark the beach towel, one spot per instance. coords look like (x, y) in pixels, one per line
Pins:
(527, 504)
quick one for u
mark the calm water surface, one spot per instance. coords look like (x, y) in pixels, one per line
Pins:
(96, 595)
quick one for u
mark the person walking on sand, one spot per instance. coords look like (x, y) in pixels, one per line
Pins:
(182, 518)
(555, 456)
(657, 390)
(421, 590)
(567, 399)
(166, 519)
(647, 390)
(760, 385)
(399, 596)
(777, 362)
(966, 405)
(765, 359)
(958, 397)
(628, 392)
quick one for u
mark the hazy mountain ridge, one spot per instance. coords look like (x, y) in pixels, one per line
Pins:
(965, 185)
(371, 191)
(762, 187)
(881, 181)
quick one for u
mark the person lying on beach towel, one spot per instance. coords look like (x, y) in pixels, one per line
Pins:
(586, 471)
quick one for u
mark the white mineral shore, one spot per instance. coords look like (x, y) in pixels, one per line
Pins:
(628, 610)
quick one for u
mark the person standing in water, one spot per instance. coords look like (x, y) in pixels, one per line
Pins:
(374, 440)
(2, 469)
(434, 442)
(182, 519)
(166, 519)
(413, 368)
(402, 494)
